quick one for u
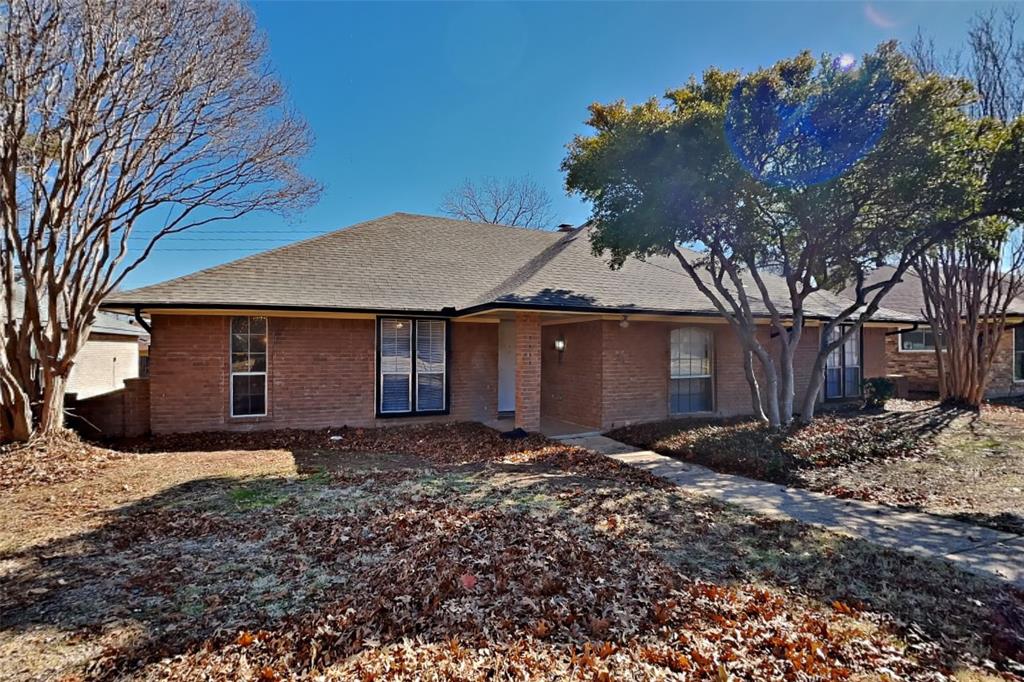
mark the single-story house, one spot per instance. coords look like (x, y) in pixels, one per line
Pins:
(110, 355)
(911, 353)
(411, 317)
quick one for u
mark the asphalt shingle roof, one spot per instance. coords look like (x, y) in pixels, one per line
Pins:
(907, 296)
(406, 262)
(104, 322)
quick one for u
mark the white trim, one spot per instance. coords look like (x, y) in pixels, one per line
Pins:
(232, 373)
(901, 349)
(709, 337)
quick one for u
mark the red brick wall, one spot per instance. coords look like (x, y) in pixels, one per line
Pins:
(919, 367)
(636, 372)
(571, 384)
(874, 343)
(922, 371)
(124, 412)
(474, 371)
(528, 371)
(321, 372)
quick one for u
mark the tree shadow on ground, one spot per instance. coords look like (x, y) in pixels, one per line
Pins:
(377, 555)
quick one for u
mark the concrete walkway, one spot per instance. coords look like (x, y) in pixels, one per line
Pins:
(974, 548)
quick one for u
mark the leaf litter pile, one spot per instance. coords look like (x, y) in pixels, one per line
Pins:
(479, 558)
(57, 459)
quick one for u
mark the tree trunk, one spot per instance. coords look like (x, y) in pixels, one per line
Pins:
(810, 400)
(51, 409)
(16, 417)
(771, 392)
(757, 409)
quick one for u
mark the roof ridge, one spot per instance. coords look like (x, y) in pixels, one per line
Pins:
(481, 223)
(528, 270)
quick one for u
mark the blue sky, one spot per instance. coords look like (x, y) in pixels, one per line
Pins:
(407, 100)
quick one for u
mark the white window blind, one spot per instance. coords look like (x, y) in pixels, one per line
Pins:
(430, 364)
(395, 365)
(689, 370)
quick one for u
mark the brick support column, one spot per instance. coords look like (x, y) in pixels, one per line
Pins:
(528, 362)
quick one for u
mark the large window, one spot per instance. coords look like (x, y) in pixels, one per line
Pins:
(1018, 353)
(248, 366)
(690, 371)
(842, 367)
(413, 365)
(917, 340)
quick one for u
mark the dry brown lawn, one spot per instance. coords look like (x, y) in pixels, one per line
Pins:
(445, 552)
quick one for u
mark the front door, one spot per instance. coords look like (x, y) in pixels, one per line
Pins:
(507, 366)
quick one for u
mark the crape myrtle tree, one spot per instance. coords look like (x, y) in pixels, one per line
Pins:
(970, 282)
(116, 114)
(815, 171)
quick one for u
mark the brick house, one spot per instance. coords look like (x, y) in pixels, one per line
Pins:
(911, 352)
(110, 354)
(410, 318)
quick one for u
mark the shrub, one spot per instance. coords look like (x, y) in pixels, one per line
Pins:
(878, 391)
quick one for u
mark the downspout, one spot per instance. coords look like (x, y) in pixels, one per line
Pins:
(142, 322)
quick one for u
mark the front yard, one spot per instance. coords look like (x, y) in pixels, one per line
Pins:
(915, 454)
(445, 552)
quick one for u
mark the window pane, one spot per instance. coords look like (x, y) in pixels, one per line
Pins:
(429, 391)
(239, 343)
(257, 326)
(395, 346)
(395, 393)
(240, 362)
(1018, 339)
(430, 346)
(690, 395)
(257, 362)
(690, 353)
(248, 395)
(852, 349)
(852, 381)
(833, 389)
(240, 325)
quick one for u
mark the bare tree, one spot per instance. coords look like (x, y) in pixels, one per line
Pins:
(509, 201)
(970, 283)
(992, 60)
(116, 114)
(969, 287)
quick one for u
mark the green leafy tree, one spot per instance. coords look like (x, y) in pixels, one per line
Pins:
(812, 170)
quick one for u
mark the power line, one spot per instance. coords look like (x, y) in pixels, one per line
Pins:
(213, 239)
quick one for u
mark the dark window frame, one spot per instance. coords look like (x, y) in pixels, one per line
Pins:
(414, 410)
(844, 396)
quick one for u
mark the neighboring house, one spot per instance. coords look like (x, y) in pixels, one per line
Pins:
(112, 354)
(410, 317)
(911, 353)
(109, 356)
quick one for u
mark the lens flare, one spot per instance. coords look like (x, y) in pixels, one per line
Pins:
(844, 62)
(790, 137)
